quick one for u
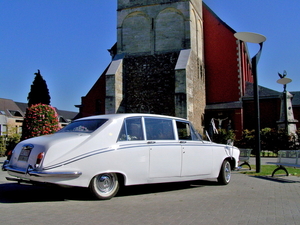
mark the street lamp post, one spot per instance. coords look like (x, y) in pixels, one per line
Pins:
(259, 39)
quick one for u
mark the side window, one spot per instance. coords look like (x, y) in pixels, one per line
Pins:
(159, 129)
(132, 130)
(186, 131)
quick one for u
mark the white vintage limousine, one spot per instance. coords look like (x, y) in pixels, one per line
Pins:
(106, 151)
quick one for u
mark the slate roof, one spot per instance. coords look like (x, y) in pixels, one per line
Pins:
(263, 92)
(9, 108)
(296, 98)
(67, 115)
(269, 93)
(22, 106)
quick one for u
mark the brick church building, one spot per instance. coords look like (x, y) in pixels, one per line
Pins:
(178, 58)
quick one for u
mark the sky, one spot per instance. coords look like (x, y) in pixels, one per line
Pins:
(67, 40)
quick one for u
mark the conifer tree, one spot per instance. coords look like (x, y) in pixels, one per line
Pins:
(40, 118)
(39, 93)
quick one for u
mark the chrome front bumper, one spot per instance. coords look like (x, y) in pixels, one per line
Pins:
(39, 173)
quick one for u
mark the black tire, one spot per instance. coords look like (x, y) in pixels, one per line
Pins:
(225, 173)
(105, 186)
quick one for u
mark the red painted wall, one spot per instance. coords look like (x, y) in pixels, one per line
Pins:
(94, 102)
(221, 66)
(223, 83)
(269, 113)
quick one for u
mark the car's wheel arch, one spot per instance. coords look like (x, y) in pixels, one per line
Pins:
(232, 162)
(121, 176)
(222, 177)
(106, 185)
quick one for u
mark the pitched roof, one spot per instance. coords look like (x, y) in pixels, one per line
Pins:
(296, 98)
(22, 106)
(9, 108)
(67, 115)
(269, 93)
(263, 92)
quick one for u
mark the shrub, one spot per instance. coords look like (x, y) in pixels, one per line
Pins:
(8, 142)
(271, 139)
(2, 146)
(12, 141)
(40, 119)
(223, 136)
(248, 139)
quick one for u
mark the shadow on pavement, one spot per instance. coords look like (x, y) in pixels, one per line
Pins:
(164, 187)
(277, 179)
(22, 193)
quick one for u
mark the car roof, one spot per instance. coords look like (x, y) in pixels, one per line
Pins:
(126, 115)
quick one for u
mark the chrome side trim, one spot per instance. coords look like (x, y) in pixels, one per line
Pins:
(77, 158)
(44, 173)
(73, 174)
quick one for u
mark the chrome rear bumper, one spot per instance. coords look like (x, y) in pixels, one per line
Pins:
(39, 173)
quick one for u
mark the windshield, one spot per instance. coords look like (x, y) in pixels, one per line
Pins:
(86, 126)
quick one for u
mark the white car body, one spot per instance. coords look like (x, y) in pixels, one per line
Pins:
(75, 158)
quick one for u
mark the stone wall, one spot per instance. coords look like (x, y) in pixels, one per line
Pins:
(196, 97)
(114, 88)
(149, 83)
(152, 28)
(151, 36)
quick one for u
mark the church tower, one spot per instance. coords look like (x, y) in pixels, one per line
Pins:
(158, 64)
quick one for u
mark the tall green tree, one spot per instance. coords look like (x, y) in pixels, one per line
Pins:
(39, 93)
(40, 118)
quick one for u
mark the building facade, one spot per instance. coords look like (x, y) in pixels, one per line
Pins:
(158, 62)
(178, 58)
(11, 117)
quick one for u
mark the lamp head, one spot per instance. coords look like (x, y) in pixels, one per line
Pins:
(250, 37)
(284, 81)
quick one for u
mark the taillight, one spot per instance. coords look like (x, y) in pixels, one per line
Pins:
(39, 159)
(8, 154)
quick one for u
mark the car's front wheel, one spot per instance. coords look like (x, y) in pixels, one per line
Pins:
(225, 173)
(105, 186)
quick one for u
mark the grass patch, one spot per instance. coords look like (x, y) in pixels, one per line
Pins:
(267, 170)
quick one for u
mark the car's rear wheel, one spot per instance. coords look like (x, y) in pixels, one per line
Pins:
(105, 186)
(225, 173)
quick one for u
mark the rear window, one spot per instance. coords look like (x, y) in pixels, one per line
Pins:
(132, 130)
(86, 126)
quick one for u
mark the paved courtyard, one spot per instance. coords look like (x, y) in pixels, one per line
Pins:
(246, 200)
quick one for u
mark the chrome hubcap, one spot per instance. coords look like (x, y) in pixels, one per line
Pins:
(105, 183)
(227, 172)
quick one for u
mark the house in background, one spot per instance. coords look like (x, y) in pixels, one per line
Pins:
(64, 117)
(12, 115)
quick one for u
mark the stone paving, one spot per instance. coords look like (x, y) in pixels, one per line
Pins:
(246, 200)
